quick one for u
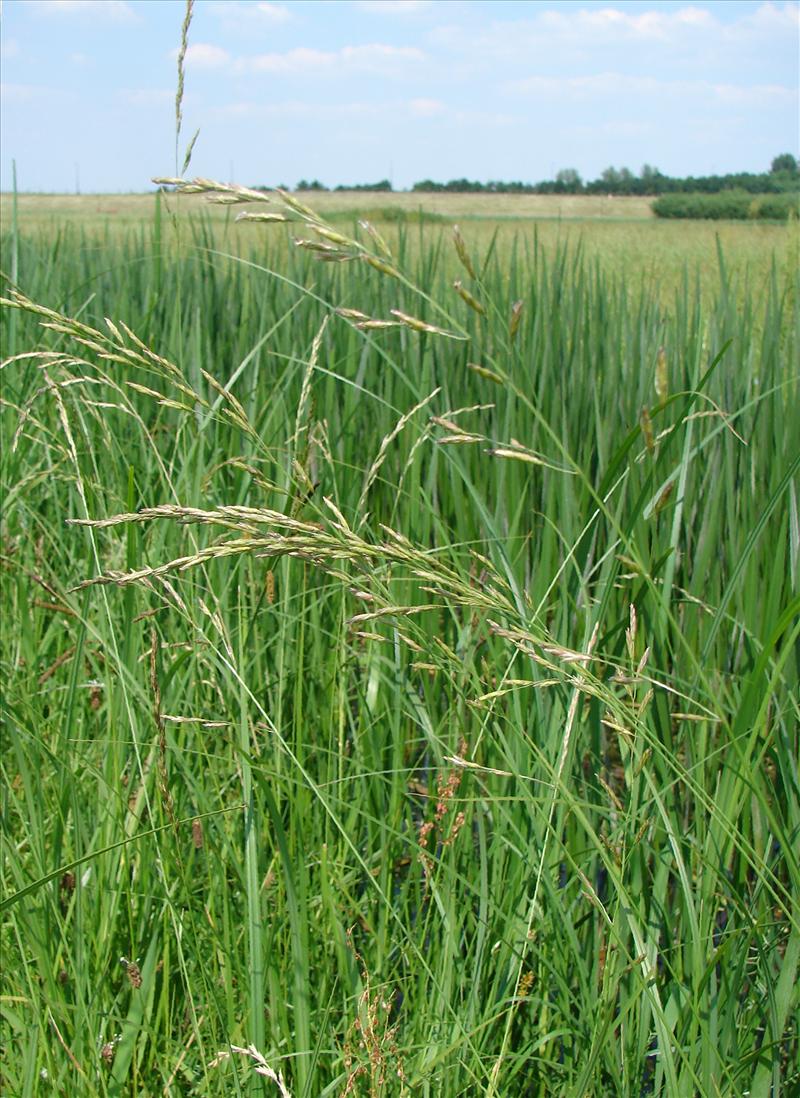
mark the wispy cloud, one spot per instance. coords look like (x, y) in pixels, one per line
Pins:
(297, 110)
(276, 13)
(204, 55)
(766, 19)
(689, 35)
(633, 89)
(426, 108)
(373, 57)
(617, 24)
(393, 7)
(406, 111)
(236, 12)
(115, 10)
(23, 93)
(147, 97)
(753, 95)
(9, 49)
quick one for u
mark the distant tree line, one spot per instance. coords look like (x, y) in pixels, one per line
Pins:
(315, 185)
(783, 177)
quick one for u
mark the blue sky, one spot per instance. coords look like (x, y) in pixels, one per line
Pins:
(359, 90)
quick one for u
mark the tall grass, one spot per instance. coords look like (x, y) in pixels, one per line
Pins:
(434, 726)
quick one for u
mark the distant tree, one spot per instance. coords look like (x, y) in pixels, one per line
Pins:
(570, 178)
(784, 163)
(628, 183)
(650, 180)
(610, 176)
(381, 185)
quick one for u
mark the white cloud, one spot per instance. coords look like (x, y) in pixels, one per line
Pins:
(116, 10)
(753, 95)
(426, 108)
(398, 111)
(585, 87)
(299, 110)
(203, 55)
(761, 30)
(276, 13)
(549, 33)
(147, 97)
(490, 120)
(633, 89)
(693, 38)
(23, 93)
(79, 59)
(614, 24)
(392, 7)
(374, 57)
(695, 17)
(233, 12)
(293, 61)
(770, 17)
(9, 49)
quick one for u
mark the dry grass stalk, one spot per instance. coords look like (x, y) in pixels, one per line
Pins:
(261, 1066)
(370, 1048)
(380, 457)
(447, 785)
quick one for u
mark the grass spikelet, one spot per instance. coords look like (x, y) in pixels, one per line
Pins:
(516, 317)
(376, 324)
(485, 372)
(647, 430)
(268, 218)
(461, 251)
(382, 266)
(662, 375)
(380, 242)
(418, 325)
(515, 451)
(469, 298)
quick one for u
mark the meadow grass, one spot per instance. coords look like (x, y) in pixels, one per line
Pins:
(128, 209)
(619, 234)
(434, 726)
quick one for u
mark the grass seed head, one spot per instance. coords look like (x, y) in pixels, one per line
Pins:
(461, 251)
(514, 322)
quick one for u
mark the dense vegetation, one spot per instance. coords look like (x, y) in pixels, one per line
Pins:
(455, 751)
(728, 205)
